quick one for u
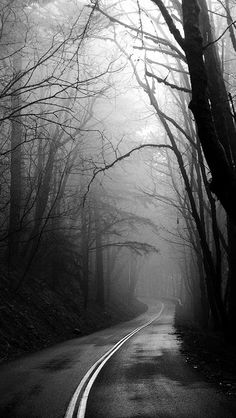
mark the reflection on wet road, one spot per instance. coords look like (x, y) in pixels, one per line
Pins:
(148, 377)
(41, 385)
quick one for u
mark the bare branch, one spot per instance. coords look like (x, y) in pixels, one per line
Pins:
(172, 28)
(221, 36)
(171, 85)
(117, 160)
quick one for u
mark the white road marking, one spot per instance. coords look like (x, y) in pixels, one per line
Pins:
(93, 372)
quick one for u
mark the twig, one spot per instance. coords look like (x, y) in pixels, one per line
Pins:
(216, 40)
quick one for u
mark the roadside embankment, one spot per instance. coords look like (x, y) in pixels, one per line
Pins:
(36, 317)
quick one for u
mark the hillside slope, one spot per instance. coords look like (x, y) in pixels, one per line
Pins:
(37, 317)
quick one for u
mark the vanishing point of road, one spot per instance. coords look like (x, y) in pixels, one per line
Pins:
(134, 369)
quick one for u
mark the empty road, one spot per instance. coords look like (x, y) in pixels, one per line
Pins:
(133, 370)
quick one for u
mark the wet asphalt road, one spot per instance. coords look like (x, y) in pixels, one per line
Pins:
(146, 377)
(41, 385)
(149, 378)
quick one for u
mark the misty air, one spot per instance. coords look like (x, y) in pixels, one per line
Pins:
(118, 208)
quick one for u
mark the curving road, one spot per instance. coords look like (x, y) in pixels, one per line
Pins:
(149, 378)
(140, 373)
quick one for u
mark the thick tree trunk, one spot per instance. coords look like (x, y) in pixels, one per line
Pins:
(231, 285)
(229, 22)
(223, 177)
(225, 128)
(217, 90)
(219, 160)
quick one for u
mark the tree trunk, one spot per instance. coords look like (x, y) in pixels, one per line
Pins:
(16, 171)
(217, 90)
(231, 285)
(212, 284)
(223, 177)
(44, 183)
(132, 283)
(100, 299)
(204, 312)
(85, 256)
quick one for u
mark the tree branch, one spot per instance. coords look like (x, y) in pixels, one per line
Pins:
(118, 159)
(170, 23)
(163, 80)
(221, 36)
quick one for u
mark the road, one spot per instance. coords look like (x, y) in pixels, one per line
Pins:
(149, 378)
(143, 376)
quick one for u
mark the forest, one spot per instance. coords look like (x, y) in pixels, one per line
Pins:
(118, 154)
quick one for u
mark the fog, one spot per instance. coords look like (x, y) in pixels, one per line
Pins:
(105, 187)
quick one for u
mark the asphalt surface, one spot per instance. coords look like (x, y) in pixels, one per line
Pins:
(146, 377)
(149, 378)
(41, 385)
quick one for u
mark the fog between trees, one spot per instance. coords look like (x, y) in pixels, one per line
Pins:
(109, 182)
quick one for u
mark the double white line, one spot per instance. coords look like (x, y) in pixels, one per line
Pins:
(86, 383)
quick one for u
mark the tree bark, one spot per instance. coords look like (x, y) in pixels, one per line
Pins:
(223, 178)
(217, 90)
(100, 298)
(15, 170)
(231, 285)
(44, 183)
(212, 284)
(85, 256)
(223, 183)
